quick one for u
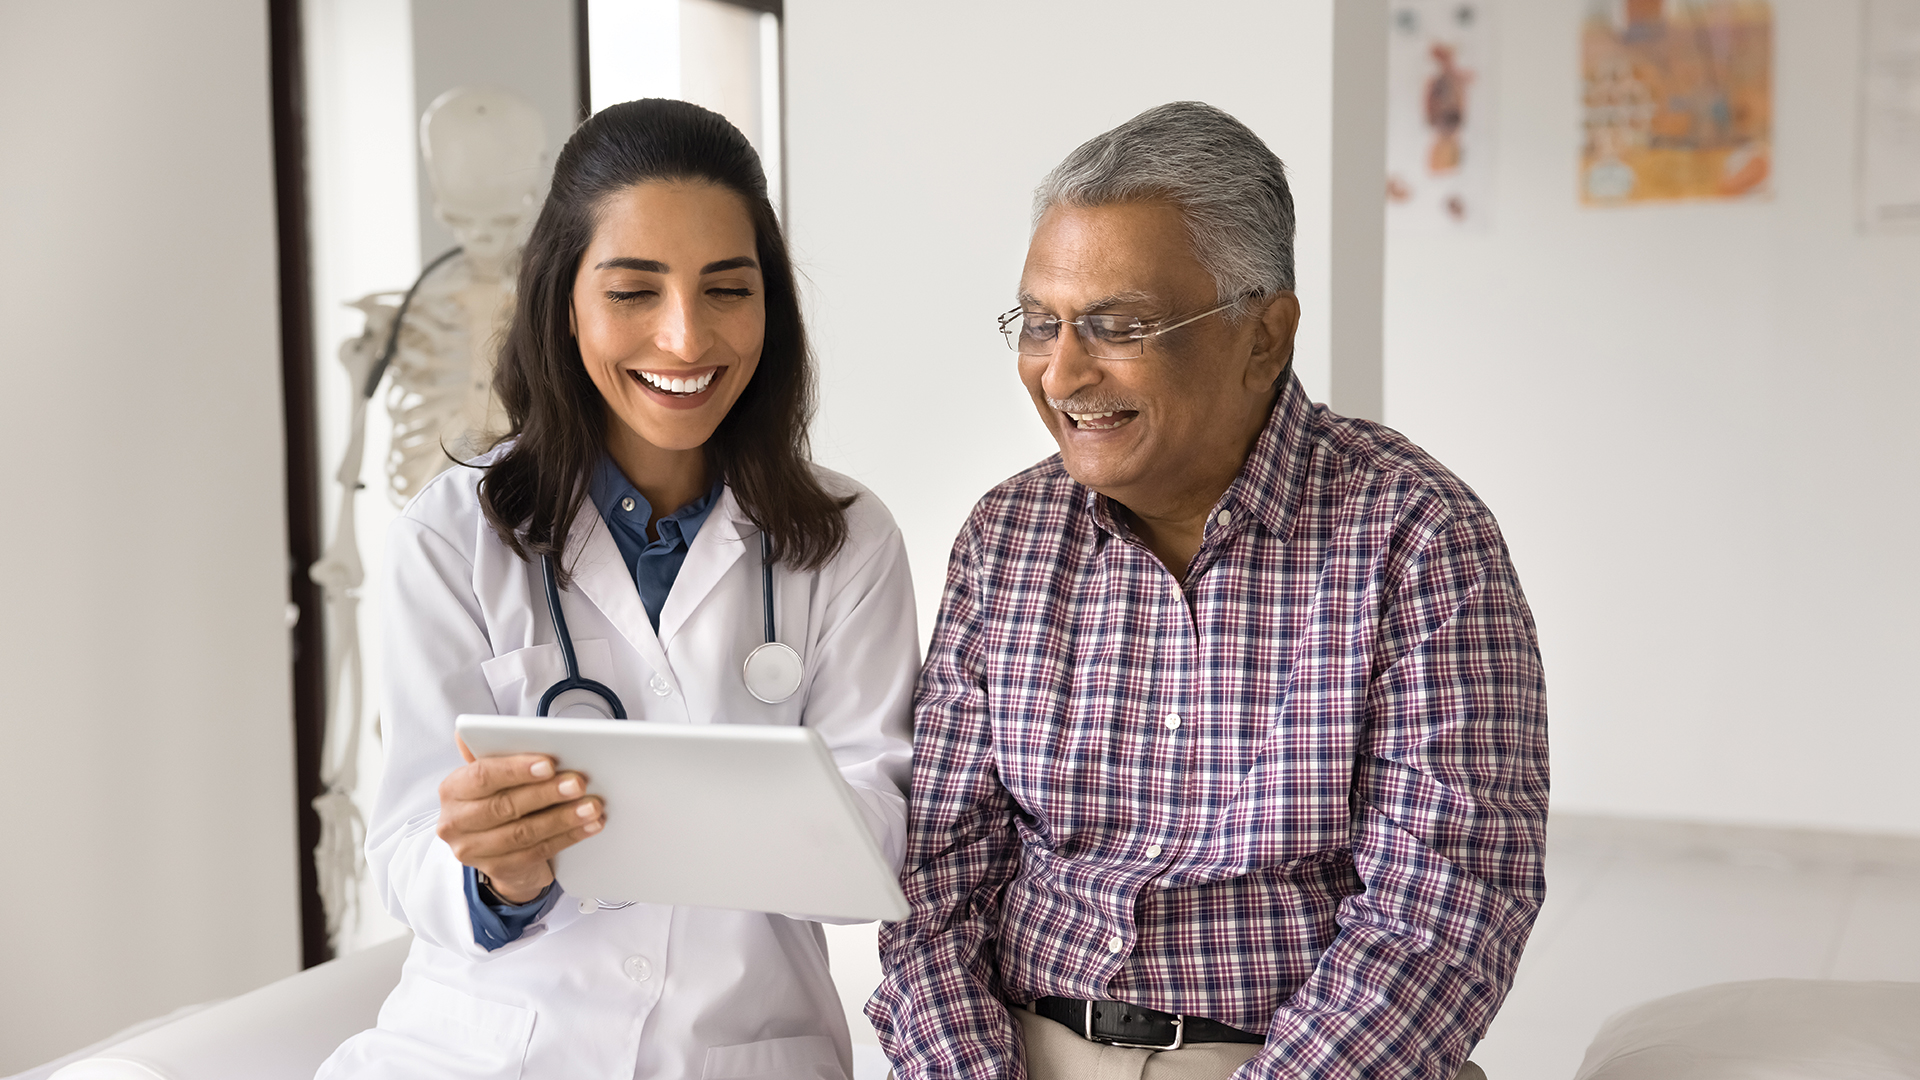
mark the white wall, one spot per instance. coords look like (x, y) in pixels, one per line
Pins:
(147, 851)
(915, 136)
(1697, 426)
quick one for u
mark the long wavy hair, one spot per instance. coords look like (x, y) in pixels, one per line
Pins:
(557, 418)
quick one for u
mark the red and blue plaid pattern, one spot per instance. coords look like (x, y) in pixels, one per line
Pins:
(1304, 796)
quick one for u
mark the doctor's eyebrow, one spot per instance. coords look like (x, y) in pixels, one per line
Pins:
(655, 266)
(627, 262)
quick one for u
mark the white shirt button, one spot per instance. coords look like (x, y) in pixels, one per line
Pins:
(1172, 721)
(587, 907)
(1115, 943)
(627, 503)
(638, 968)
(1153, 851)
(1225, 518)
(660, 685)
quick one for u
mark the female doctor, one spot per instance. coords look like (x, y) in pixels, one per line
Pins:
(658, 386)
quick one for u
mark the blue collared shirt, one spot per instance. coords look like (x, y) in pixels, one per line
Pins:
(653, 564)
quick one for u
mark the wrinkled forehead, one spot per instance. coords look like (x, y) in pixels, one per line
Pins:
(1136, 251)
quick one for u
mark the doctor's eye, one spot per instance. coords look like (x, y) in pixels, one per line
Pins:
(619, 297)
(731, 294)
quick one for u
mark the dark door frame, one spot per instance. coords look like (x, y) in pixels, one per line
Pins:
(288, 76)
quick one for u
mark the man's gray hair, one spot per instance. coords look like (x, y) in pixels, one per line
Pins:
(1231, 189)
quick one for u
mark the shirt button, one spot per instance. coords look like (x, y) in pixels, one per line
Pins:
(627, 503)
(659, 685)
(1172, 721)
(1153, 852)
(1224, 517)
(638, 968)
(1115, 943)
(587, 906)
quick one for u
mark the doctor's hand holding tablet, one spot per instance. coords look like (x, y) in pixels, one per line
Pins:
(649, 671)
(508, 816)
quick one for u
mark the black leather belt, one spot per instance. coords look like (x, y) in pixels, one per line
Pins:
(1117, 1023)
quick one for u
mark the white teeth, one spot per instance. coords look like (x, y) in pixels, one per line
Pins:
(679, 385)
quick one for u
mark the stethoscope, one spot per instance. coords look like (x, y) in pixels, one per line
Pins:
(771, 671)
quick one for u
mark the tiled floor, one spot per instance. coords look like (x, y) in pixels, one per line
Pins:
(1637, 910)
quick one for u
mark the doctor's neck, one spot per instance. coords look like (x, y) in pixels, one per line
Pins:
(670, 479)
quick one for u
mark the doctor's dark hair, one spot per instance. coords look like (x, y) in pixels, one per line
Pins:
(557, 417)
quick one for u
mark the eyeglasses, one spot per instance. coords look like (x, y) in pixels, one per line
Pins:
(1104, 337)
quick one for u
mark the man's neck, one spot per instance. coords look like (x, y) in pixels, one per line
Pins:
(1170, 518)
(1172, 525)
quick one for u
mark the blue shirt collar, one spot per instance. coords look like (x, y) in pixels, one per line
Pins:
(610, 489)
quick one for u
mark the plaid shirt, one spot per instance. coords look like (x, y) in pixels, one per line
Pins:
(1305, 796)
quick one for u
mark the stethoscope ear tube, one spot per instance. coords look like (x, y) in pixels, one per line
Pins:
(573, 681)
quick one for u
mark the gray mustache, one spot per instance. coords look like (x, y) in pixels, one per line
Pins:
(1091, 404)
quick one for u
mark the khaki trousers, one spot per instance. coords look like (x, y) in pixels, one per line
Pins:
(1054, 1052)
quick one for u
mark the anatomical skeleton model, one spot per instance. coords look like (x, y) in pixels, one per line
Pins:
(485, 152)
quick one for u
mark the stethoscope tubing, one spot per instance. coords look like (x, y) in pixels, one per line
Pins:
(771, 653)
(766, 582)
(573, 681)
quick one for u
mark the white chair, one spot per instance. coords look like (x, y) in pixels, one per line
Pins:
(282, 1031)
(1773, 1029)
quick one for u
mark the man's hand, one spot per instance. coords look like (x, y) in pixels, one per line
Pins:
(507, 816)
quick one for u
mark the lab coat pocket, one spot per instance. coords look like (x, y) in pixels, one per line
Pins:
(440, 1031)
(805, 1057)
(519, 678)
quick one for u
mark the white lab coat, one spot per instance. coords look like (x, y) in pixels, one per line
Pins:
(643, 991)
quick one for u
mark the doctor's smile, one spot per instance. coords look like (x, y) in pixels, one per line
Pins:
(677, 386)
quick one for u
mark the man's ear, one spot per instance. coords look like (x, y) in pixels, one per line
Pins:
(1273, 330)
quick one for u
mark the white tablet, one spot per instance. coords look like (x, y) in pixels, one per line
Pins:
(741, 816)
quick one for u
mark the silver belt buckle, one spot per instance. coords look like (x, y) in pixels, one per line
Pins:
(1179, 1034)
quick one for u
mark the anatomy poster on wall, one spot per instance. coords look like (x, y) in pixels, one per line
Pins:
(1439, 116)
(1678, 100)
(1890, 117)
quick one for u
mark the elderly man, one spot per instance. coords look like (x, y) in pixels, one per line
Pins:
(1232, 738)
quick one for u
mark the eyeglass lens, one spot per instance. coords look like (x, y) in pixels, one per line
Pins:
(1108, 337)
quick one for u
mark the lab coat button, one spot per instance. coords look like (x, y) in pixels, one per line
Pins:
(660, 685)
(587, 907)
(638, 968)
(1115, 943)
(1173, 721)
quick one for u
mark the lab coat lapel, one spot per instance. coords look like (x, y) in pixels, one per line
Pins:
(600, 575)
(722, 541)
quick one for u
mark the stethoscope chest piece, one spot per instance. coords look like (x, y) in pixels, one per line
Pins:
(772, 672)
